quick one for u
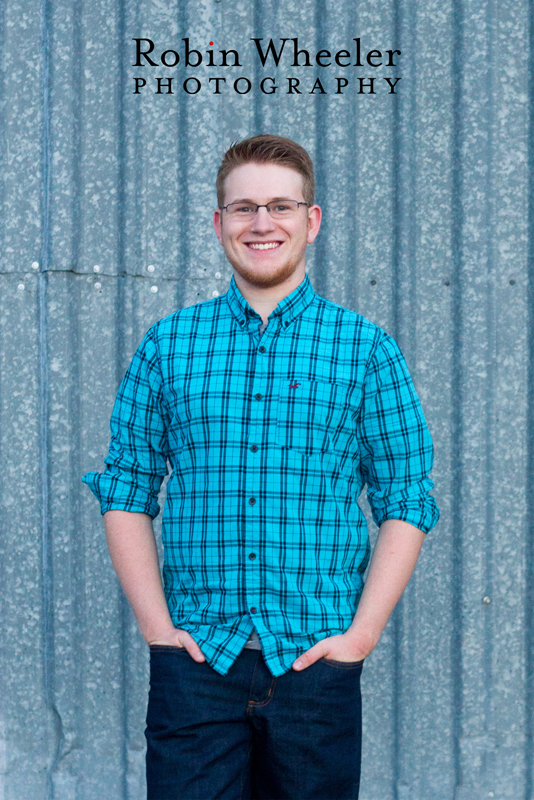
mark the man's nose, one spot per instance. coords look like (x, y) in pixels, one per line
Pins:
(263, 222)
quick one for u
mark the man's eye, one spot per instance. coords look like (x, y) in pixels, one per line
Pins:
(280, 207)
(243, 209)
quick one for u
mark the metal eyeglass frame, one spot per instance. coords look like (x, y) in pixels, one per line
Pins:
(265, 205)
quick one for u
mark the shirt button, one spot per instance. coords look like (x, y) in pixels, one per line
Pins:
(262, 349)
(252, 500)
(258, 396)
(252, 556)
(253, 610)
(254, 448)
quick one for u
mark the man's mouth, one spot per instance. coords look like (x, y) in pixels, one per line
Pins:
(263, 245)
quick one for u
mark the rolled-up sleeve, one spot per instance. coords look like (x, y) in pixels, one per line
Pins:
(137, 460)
(396, 448)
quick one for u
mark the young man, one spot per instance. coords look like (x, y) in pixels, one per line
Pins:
(274, 407)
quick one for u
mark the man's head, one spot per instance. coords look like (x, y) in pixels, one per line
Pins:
(267, 149)
(266, 248)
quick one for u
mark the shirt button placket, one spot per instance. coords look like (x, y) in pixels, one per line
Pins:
(253, 479)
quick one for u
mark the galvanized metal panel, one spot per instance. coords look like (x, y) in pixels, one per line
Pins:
(23, 706)
(425, 200)
(21, 177)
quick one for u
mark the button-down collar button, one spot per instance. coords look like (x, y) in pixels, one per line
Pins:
(262, 349)
(254, 448)
(252, 556)
(252, 500)
(253, 610)
(258, 396)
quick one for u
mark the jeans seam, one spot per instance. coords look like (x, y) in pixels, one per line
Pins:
(260, 703)
(242, 780)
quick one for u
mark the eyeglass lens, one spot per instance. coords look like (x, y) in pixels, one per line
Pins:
(276, 209)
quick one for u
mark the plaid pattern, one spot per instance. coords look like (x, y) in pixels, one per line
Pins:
(270, 440)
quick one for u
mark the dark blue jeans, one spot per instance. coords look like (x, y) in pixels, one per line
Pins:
(247, 735)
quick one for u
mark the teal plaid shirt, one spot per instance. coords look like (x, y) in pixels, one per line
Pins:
(270, 440)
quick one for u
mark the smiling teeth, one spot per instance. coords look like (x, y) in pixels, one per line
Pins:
(269, 246)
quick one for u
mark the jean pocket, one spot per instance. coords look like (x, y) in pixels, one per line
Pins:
(342, 664)
(166, 648)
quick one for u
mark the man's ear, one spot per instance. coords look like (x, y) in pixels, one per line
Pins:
(314, 222)
(217, 223)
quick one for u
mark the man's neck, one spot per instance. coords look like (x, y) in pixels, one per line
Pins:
(264, 301)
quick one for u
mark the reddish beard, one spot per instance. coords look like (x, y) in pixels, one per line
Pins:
(265, 280)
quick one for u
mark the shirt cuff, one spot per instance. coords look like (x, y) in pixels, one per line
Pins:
(114, 492)
(423, 518)
(414, 505)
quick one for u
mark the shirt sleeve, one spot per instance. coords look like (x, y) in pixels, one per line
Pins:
(396, 448)
(137, 460)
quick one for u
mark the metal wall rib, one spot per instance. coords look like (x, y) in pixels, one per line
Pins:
(428, 201)
(529, 547)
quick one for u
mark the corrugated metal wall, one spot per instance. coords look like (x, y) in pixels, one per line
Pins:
(106, 227)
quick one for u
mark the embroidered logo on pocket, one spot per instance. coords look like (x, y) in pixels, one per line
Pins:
(293, 385)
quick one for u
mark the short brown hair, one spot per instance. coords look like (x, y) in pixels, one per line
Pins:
(264, 149)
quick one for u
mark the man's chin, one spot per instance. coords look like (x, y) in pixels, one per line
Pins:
(265, 278)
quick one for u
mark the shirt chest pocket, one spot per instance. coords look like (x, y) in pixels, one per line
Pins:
(310, 415)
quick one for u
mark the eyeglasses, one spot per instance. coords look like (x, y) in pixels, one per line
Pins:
(277, 209)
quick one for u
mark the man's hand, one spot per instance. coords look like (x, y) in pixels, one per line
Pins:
(176, 637)
(346, 646)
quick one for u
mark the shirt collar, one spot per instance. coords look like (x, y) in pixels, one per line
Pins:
(287, 309)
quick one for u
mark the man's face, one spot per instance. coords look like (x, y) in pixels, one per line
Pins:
(267, 266)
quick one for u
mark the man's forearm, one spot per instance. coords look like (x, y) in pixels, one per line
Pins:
(134, 554)
(394, 559)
